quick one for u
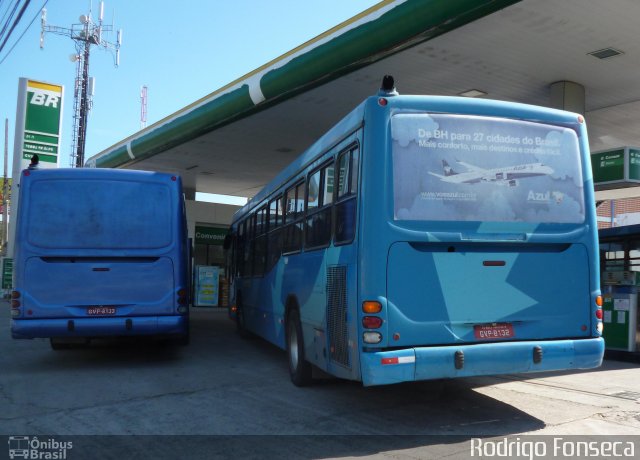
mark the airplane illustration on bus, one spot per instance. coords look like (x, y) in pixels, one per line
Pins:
(501, 176)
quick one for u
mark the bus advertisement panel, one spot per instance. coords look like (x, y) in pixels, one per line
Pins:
(469, 168)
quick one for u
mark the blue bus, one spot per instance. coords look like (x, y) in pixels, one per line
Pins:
(100, 252)
(427, 238)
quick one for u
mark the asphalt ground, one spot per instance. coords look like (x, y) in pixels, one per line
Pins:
(224, 396)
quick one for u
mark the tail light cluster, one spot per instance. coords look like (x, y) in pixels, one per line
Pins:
(15, 304)
(183, 300)
(599, 315)
(370, 308)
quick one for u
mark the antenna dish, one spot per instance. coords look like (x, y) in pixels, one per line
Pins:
(73, 57)
(84, 19)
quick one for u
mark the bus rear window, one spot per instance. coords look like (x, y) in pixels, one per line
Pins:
(471, 168)
(99, 214)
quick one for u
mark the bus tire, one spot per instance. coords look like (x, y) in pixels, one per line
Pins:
(241, 327)
(300, 369)
(185, 339)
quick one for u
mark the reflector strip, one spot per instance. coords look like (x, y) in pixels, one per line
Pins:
(398, 360)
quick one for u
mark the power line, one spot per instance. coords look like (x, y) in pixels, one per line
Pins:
(23, 33)
(15, 23)
(4, 16)
(6, 24)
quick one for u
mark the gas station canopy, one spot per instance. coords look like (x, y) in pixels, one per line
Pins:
(236, 139)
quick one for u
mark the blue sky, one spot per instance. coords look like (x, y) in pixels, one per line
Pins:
(181, 50)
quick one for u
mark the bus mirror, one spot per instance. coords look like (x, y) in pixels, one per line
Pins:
(227, 242)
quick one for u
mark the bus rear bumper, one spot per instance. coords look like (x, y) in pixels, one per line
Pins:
(99, 327)
(427, 363)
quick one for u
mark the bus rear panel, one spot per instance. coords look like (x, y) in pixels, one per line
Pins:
(100, 253)
(486, 242)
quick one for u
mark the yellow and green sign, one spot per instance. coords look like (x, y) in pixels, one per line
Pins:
(43, 114)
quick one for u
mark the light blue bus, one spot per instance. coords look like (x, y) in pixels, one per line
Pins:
(427, 238)
(100, 252)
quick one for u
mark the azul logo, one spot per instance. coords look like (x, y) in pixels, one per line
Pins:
(45, 99)
(545, 197)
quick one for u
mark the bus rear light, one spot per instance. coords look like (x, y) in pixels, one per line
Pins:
(599, 313)
(389, 360)
(372, 337)
(183, 299)
(599, 300)
(15, 303)
(15, 312)
(382, 101)
(371, 322)
(15, 294)
(600, 327)
(371, 306)
(182, 309)
(234, 308)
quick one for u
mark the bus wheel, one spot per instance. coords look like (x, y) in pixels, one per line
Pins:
(299, 367)
(241, 327)
(184, 340)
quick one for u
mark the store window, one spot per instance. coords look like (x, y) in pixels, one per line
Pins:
(208, 248)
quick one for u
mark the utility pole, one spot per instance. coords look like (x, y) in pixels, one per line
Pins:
(143, 107)
(5, 189)
(85, 34)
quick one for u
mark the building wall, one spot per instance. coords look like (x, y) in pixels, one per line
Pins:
(618, 213)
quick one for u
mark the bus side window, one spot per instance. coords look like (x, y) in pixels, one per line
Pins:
(347, 177)
(319, 200)
(260, 258)
(275, 233)
(240, 249)
(293, 218)
(248, 246)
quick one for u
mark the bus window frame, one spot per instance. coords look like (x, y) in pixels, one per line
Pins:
(293, 218)
(322, 206)
(274, 231)
(352, 192)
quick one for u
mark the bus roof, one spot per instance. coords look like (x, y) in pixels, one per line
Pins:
(98, 173)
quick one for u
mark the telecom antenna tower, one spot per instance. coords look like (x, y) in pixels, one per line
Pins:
(85, 34)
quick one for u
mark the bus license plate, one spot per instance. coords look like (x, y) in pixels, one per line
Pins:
(101, 310)
(493, 331)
